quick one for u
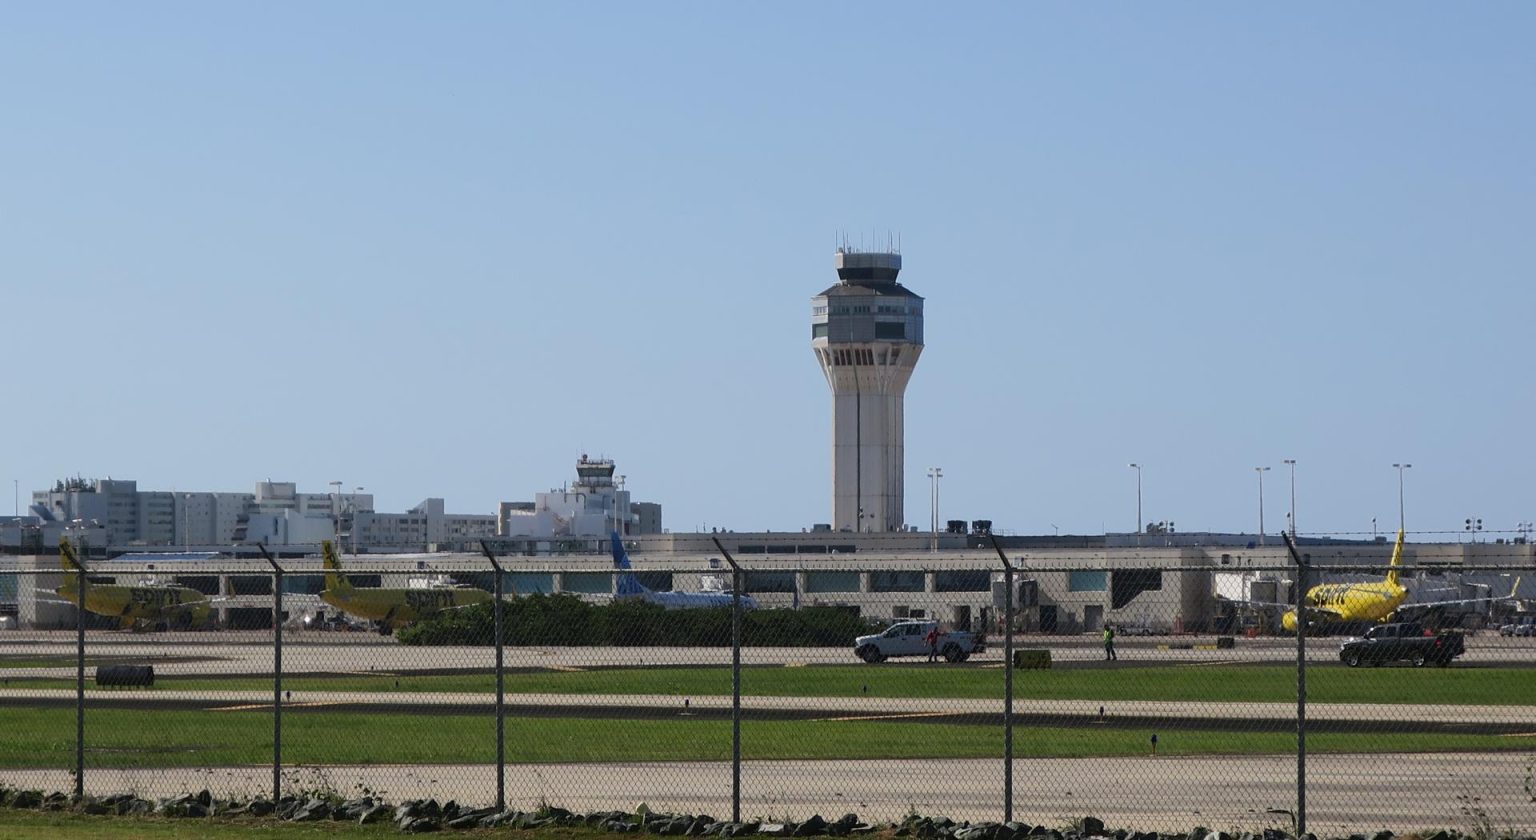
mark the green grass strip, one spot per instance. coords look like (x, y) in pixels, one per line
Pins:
(1192, 683)
(36, 825)
(162, 738)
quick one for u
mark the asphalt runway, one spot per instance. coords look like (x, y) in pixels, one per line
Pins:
(245, 653)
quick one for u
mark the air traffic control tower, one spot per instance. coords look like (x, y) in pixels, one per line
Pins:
(867, 332)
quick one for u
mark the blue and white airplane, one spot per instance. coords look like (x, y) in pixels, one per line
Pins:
(628, 586)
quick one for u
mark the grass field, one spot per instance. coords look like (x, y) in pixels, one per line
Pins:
(1189, 683)
(118, 737)
(35, 825)
(168, 738)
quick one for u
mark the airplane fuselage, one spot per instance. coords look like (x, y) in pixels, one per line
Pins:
(1338, 602)
(399, 607)
(139, 603)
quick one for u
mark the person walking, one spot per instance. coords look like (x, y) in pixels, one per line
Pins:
(1109, 643)
(933, 643)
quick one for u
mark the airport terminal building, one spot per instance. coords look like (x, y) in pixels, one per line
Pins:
(1062, 585)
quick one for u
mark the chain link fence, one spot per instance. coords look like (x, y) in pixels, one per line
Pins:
(1153, 697)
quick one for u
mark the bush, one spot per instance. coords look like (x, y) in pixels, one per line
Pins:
(568, 621)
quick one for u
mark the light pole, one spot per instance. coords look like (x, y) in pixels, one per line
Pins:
(934, 474)
(1291, 462)
(1137, 468)
(1524, 530)
(336, 514)
(1474, 524)
(1402, 521)
(1261, 471)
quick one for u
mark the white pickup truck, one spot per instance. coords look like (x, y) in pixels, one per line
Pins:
(910, 638)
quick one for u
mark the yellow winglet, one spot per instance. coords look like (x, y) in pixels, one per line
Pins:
(67, 559)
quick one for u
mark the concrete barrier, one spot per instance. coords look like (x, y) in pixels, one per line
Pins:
(125, 675)
(1032, 659)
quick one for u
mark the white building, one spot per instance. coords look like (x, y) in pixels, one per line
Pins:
(592, 507)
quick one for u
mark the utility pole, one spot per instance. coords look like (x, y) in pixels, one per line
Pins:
(1137, 468)
(1402, 520)
(1291, 462)
(1261, 471)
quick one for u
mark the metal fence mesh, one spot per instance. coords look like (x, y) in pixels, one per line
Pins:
(610, 702)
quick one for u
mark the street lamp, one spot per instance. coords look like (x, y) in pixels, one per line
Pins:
(1474, 524)
(352, 524)
(934, 474)
(1291, 462)
(1402, 521)
(336, 514)
(1137, 468)
(1261, 471)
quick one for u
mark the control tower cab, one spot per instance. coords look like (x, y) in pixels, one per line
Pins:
(867, 332)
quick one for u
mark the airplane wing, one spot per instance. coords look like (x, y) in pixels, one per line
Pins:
(1313, 613)
(1326, 612)
(1462, 601)
(1246, 603)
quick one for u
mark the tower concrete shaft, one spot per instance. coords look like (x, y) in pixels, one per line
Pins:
(867, 333)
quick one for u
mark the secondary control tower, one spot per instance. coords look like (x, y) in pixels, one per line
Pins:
(867, 332)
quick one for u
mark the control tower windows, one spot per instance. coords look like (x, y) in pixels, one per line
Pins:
(895, 330)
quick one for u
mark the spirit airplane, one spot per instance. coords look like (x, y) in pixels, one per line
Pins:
(392, 608)
(148, 603)
(1376, 601)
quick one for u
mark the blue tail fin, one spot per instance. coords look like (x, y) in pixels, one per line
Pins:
(627, 584)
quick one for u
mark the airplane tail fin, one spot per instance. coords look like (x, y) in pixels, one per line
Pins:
(67, 559)
(334, 579)
(627, 583)
(1397, 559)
(69, 562)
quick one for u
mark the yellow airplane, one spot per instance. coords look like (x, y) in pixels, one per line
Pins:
(1330, 603)
(392, 608)
(155, 604)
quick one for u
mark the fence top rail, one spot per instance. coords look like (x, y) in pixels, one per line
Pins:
(312, 566)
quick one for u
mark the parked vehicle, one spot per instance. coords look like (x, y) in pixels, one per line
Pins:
(910, 638)
(1404, 641)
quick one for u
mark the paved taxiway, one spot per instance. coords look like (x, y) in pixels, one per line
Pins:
(1149, 793)
(321, 652)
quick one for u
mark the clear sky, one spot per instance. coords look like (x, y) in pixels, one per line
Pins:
(443, 249)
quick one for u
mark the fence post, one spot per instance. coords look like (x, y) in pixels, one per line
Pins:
(67, 551)
(1007, 681)
(277, 673)
(735, 682)
(501, 741)
(1301, 684)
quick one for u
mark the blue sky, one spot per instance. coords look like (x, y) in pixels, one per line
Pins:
(443, 250)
